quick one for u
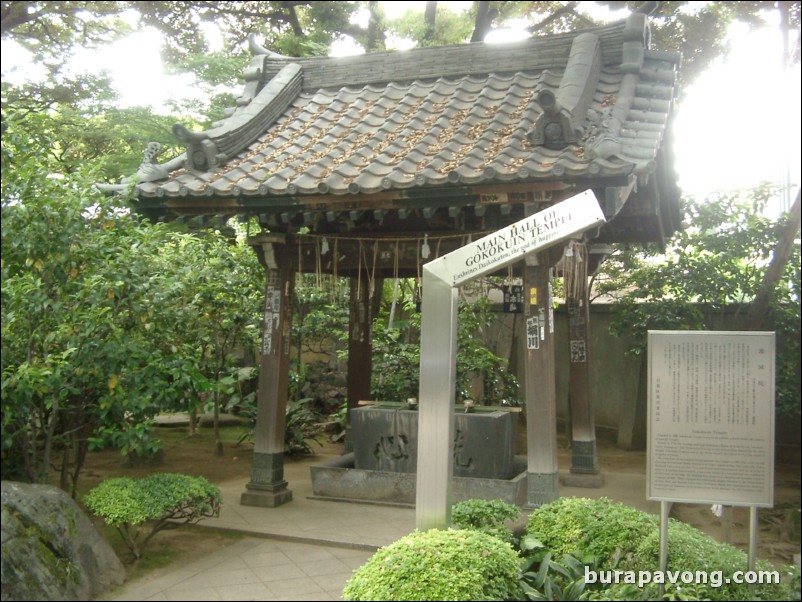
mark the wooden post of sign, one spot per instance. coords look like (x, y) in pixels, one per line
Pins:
(267, 486)
(540, 387)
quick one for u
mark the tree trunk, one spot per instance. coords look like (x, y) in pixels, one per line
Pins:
(780, 257)
(193, 420)
(484, 19)
(429, 17)
(376, 33)
(292, 18)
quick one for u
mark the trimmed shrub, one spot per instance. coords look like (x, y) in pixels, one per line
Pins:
(488, 516)
(689, 549)
(159, 499)
(459, 564)
(582, 527)
(626, 539)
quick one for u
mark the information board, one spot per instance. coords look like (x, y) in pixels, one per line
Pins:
(711, 417)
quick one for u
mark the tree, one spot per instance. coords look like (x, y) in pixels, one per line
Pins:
(104, 322)
(215, 298)
(79, 127)
(51, 29)
(719, 261)
(75, 359)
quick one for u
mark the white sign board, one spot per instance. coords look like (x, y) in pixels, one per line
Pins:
(506, 246)
(711, 417)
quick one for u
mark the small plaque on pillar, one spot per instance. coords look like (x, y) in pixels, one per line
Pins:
(533, 333)
(513, 299)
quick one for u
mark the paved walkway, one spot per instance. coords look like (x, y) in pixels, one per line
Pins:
(307, 549)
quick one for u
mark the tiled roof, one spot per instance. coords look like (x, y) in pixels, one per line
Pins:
(591, 107)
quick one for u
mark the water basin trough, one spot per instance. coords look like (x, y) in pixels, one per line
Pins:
(382, 466)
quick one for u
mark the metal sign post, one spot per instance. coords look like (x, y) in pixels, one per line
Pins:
(438, 349)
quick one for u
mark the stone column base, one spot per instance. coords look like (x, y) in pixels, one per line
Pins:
(267, 488)
(541, 488)
(583, 457)
(583, 479)
(266, 496)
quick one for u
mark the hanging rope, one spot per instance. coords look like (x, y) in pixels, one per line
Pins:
(575, 269)
(318, 266)
(359, 271)
(395, 260)
(334, 270)
(300, 257)
(372, 288)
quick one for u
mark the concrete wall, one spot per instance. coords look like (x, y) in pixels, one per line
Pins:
(618, 380)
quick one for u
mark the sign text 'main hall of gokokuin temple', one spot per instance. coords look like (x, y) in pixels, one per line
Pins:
(505, 246)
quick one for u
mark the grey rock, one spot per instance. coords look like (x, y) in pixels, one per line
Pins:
(50, 549)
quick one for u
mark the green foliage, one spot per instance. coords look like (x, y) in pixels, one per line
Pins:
(691, 550)
(438, 565)
(340, 418)
(796, 589)
(618, 537)
(488, 516)
(545, 579)
(75, 283)
(396, 363)
(107, 320)
(51, 29)
(77, 125)
(320, 308)
(449, 28)
(474, 356)
(717, 262)
(300, 428)
(583, 528)
(396, 357)
(159, 499)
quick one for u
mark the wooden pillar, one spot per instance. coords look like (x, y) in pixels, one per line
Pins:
(584, 461)
(540, 386)
(360, 346)
(267, 487)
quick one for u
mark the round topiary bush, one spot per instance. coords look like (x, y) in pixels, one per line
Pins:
(583, 527)
(439, 565)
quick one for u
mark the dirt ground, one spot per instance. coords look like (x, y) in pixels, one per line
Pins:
(779, 527)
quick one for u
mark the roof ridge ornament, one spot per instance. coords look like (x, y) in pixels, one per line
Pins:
(258, 50)
(212, 148)
(564, 114)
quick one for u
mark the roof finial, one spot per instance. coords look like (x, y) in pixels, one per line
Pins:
(257, 49)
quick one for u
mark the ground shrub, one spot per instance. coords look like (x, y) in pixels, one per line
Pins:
(582, 527)
(489, 516)
(459, 564)
(160, 500)
(623, 538)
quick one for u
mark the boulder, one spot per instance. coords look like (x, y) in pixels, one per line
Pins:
(50, 549)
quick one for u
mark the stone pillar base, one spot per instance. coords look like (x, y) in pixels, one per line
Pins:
(542, 488)
(583, 457)
(583, 479)
(267, 488)
(266, 496)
